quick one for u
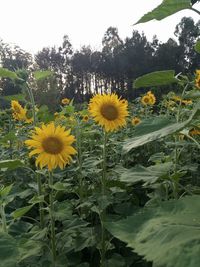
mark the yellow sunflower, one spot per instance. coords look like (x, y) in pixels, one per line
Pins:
(194, 132)
(198, 72)
(135, 121)
(109, 111)
(152, 98)
(65, 101)
(197, 82)
(146, 100)
(19, 113)
(53, 146)
(85, 118)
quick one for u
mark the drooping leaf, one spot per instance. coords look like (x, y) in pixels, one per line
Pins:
(156, 78)
(21, 211)
(40, 75)
(5, 190)
(11, 164)
(167, 235)
(152, 124)
(140, 173)
(18, 97)
(197, 47)
(29, 248)
(8, 250)
(172, 128)
(165, 9)
(5, 73)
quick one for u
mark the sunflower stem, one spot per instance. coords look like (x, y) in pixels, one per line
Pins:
(30, 93)
(79, 149)
(41, 211)
(52, 220)
(3, 218)
(103, 212)
(178, 115)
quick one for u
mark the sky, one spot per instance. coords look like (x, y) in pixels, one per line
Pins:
(34, 24)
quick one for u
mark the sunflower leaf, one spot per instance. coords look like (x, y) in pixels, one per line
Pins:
(168, 235)
(156, 78)
(165, 9)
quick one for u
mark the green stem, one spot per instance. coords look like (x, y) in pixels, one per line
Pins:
(103, 213)
(79, 148)
(177, 120)
(30, 93)
(195, 10)
(3, 218)
(41, 211)
(52, 220)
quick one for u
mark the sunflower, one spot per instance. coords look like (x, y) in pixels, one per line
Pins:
(65, 101)
(146, 100)
(19, 113)
(152, 98)
(109, 111)
(85, 118)
(53, 146)
(197, 72)
(135, 121)
(197, 82)
(194, 132)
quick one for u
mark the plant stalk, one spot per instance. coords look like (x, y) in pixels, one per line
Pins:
(41, 211)
(3, 218)
(103, 193)
(52, 220)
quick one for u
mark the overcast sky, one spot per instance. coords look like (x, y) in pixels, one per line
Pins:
(34, 24)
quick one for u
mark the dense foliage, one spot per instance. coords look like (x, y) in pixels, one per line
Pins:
(112, 182)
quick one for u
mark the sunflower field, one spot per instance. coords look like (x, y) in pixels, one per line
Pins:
(108, 183)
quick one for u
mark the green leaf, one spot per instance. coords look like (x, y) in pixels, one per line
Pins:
(40, 75)
(142, 139)
(165, 9)
(139, 173)
(8, 137)
(5, 73)
(197, 47)
(193, 94)
(156, 78)
(10, 164)
(168, 235)
(5, 190)
(18, 97)
(29, 248)
(36, 199)
(152, 124)
(21, 211)
(8, 251)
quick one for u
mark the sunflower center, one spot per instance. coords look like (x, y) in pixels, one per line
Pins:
(52, 145)
(109, 112)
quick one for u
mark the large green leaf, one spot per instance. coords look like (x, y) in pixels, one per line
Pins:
(152, 124)
(10, 164)
(18, 97)
(156, 78)
(21, 211)
(140, 173)
(5, 73)
(40, 75)
(171, 128)
(165, 9)
(168, 235)
(8, 251)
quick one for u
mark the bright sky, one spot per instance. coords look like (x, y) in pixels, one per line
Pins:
(34, 24)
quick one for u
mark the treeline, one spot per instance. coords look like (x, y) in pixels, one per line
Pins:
(79, 74)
